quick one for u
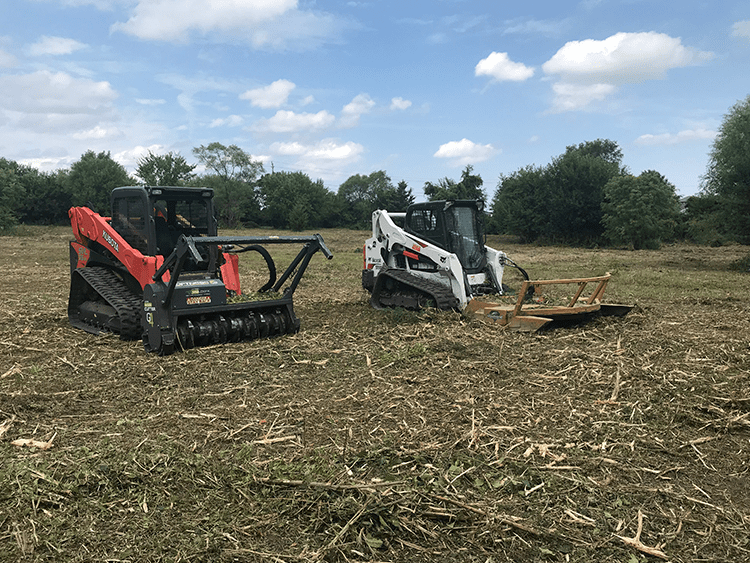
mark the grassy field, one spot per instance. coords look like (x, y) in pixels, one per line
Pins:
(385, 435)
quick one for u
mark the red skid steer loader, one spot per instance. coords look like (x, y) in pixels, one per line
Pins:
(157, 270)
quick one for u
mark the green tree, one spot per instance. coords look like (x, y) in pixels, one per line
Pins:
(640, 212)
(46, 200)
(231, 163)
(12, 194)
(169, 169)
(394, 199)
(236, 202)
(573, 190)
(519, 207)
(92, 179)
(8, 220)
(360, 195)
(292, 200)
(728, 174)
(703, 220)
(561, 201)
(469, 187)
(234, 180)
(299, 216)
(30, 196)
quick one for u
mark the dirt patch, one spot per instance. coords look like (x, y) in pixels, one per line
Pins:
(385, 435)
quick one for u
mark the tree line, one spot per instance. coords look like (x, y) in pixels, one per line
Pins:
(583, 196)
(586, 196)
(245, 195)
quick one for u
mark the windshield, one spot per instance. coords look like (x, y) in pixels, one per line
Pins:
(188, 216)
(465, 237)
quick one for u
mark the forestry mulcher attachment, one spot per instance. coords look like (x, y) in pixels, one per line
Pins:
(157, 270)
(439, 259)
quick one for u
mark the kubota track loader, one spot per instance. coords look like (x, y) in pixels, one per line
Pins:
(157, 270)
(439, 258)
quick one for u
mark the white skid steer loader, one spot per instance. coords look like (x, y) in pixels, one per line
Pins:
(439, 259)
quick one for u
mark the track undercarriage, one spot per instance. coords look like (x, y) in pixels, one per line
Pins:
(100, 301)
(400, 288)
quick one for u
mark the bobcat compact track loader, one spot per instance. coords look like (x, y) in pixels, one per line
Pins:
(439, 259)
(157, 270)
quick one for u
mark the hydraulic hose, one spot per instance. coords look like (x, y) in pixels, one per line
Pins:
(269, 262)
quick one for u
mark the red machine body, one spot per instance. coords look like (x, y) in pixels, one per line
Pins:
(90, 228)
(156, 269)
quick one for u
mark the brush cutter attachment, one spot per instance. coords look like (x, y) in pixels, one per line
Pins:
(532, 310)
(185, 312)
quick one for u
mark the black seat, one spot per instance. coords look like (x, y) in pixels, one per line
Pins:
(164, 241)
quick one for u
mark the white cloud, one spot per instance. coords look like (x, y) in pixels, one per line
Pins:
(415, 22)
(190, 88)
(272, 96)
(54, 93)
(150, 102)
(325, 158)
(60, 107)
(463, 24)
(47, 163)
(264, 24)
(499, 67)
(535, 27)
(570, 96)
(7, 60)
(289, 149)
(290, 122)
(400, 104)
(352, 111)
(590, 70)
(327, 149)
(100, 4)
(622, 58)
(681, 137)
(54, 46)
(741, 29)
(172, 20)
(66, 116)
(464, 152)
(229, 121)
(97, 133)
(129, 158)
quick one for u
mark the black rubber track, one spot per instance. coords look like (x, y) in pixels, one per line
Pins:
(408, 285)
(113, 291)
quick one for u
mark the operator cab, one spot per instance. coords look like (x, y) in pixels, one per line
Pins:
(152, 219)
(455, 226)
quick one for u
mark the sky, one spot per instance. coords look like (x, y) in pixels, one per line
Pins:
(417, 88)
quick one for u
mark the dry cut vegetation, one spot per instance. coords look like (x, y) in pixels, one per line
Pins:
(385, 435)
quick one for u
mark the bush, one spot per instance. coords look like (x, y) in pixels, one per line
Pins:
(299, 217)
(8, 221)
(640, 212)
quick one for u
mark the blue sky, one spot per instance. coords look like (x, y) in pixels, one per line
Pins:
(333, 88)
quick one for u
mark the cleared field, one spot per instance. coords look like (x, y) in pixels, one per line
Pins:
(385, 435)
